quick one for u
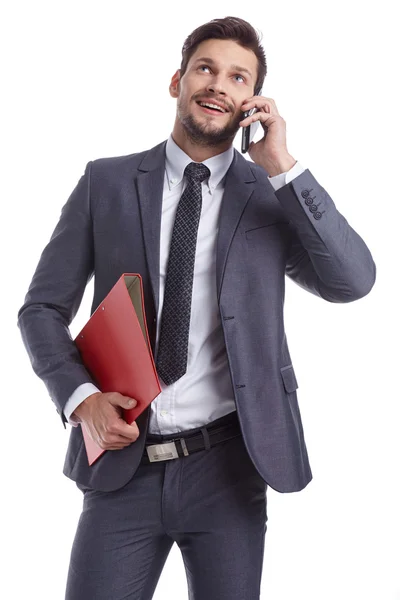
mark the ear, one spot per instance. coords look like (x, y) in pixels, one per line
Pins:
(174, 85)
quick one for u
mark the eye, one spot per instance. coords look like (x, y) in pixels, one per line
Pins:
(208, 67)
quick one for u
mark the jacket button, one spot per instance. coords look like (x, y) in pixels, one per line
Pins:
(317, 215)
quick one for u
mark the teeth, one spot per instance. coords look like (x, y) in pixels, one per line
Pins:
(212, 106)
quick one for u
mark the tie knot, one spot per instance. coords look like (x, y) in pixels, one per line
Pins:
(197, 171)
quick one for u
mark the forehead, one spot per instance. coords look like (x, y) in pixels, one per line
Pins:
(225, 53)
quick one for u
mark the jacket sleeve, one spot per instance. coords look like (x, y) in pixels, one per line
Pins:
(65, 267)
(327, 256)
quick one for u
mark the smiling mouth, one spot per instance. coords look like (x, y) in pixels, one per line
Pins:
(211, 110)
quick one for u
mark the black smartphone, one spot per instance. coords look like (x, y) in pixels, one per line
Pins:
(249, 131)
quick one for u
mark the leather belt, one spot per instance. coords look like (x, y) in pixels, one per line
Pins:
(168, 447)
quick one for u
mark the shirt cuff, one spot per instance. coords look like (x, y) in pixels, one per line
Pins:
(278, 181)
(79, 395)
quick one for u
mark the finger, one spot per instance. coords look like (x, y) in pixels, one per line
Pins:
(116, 441)
(125, 439)
(121, 427)
(120, 441)
(264, 104)
(259, 104)
(264, 118)
(118, 437)
(118, 446)
(118, 400)
(118, 431)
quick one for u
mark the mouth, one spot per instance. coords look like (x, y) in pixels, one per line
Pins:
(211, 108)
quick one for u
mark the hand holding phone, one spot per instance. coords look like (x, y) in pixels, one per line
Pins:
(249, 132)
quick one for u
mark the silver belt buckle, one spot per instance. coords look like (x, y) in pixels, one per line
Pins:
(159, 452)
(166, 451)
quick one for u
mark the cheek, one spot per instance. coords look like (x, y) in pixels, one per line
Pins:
(237, 116)
(184, 99)
(181, 103)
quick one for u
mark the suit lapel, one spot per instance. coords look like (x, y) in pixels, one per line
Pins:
(239, 185)
(150, 183)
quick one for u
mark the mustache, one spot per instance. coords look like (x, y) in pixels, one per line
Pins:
(206, 98)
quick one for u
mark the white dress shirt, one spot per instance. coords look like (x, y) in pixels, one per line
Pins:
(204, 393)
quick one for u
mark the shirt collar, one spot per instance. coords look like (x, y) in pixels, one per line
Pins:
(177, 161)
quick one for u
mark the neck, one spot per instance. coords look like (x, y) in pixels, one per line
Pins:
(196, 152)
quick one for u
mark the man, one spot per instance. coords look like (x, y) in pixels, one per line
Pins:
(213, 236)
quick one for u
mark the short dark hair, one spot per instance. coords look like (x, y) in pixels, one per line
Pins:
(228, 28)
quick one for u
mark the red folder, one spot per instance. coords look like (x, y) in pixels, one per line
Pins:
(115, 348)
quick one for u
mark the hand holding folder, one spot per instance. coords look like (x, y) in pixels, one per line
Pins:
(101, 414)
(115, 349)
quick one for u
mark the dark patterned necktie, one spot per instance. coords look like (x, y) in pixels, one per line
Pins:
(175, 321)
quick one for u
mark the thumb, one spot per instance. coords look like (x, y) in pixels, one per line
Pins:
(130, 402)
(124, 401)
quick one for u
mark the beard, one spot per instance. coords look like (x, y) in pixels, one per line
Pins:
(206, 133)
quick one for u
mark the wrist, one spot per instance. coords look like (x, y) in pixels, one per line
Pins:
(279, 165)
(81, 409)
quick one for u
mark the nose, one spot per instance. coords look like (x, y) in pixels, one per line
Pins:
(216, 88)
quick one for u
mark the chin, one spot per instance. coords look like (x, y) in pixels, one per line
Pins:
(209, 124)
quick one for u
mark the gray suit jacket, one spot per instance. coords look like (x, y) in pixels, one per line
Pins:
(111, 224)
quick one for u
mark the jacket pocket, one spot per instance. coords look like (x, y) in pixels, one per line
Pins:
(261, 229)
(289, 378)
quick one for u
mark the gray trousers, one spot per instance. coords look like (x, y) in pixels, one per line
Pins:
(212, 503)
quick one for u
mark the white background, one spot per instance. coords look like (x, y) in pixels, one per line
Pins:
(84, 80)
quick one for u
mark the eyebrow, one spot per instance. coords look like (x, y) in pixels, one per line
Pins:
(211, 62)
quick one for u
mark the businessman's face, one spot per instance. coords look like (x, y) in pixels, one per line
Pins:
(220, 72)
